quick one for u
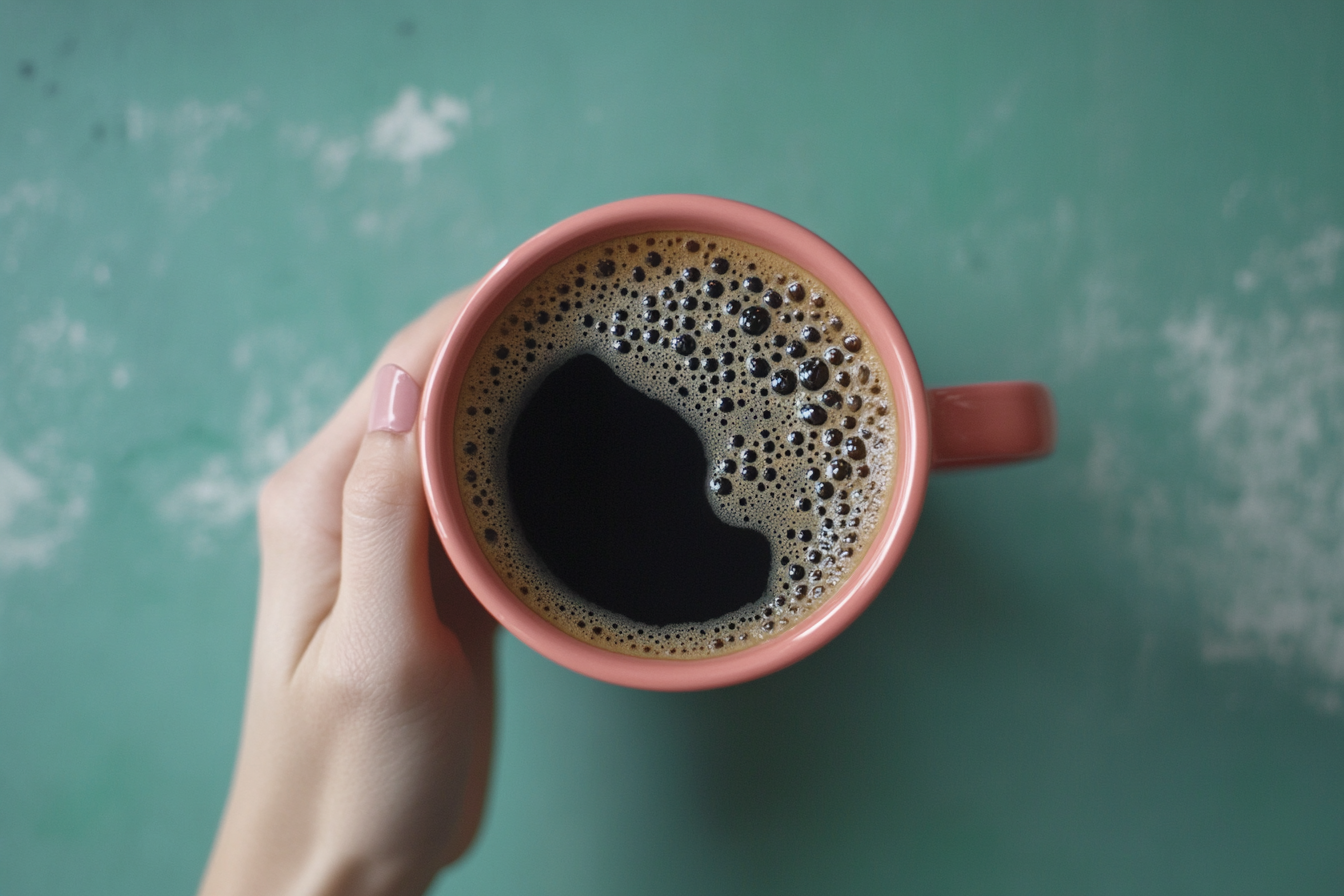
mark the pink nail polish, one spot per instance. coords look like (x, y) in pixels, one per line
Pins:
(396, 399)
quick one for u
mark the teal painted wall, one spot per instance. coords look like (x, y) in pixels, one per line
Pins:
(1118, 671)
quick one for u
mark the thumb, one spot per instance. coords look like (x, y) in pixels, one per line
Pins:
(384, 528)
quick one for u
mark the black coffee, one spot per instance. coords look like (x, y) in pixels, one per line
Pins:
(609, 492)
(674, 444)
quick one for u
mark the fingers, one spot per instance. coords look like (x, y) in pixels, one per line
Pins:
(300, 512)
(324, 462)
(385, 580)
(399, 593)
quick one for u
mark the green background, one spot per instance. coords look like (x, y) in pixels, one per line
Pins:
(1120, 670)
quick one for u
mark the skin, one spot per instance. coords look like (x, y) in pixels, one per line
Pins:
(367, 726)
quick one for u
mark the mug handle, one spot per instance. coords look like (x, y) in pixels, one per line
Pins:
(987, 424)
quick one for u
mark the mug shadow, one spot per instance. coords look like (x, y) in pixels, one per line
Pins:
(834, 753)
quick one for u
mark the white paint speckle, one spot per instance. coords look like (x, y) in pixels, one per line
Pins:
(1309, 266)
(333, 159)
(1240, 503)
(77, 335)
(1096, 329)
(368, 223)
(187, 133)
(387, 224)
(1267, 403)
(46, 333)
(286, 399)
(58, 352)
(25, 194)
(410, 132)
(1329, 702)
(45, 486)
(44, 501)
(407, 133)
(101, 274)
(21, 208)
(219, 495)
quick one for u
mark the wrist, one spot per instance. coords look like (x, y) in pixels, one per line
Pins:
(258, 862)
(349, 875)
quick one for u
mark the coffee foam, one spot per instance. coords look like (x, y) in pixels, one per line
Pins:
(779, 381)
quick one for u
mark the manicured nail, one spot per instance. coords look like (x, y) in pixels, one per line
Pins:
(396, 399)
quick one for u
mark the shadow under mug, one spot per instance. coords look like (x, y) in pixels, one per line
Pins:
(958, 427)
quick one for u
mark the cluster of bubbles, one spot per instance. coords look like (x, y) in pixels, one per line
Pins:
(776, 376)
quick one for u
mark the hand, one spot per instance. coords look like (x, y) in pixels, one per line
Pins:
(370, 700)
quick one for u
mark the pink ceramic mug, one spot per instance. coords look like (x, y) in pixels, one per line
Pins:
(963, 426)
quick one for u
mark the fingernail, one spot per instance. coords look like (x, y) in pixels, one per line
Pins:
(396, 399)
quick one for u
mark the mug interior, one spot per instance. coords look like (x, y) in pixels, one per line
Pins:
(711, 216)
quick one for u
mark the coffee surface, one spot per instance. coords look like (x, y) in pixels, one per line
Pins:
(575, 465)
(674, 444)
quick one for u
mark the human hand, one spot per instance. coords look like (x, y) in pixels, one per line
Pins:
(370, 701)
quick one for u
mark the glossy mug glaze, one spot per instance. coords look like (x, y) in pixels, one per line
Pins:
(977, 425)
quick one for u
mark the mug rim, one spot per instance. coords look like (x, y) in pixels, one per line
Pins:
(711, 216)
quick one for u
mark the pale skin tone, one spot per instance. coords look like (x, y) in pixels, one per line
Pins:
(366, 733)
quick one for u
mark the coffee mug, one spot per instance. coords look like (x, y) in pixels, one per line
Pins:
(959, 427)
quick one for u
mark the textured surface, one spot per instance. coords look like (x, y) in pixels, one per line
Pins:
(1120, 670)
